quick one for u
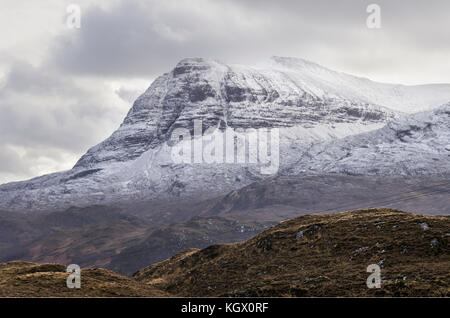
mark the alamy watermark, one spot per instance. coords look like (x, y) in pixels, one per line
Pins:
(374, 279)
(73, 20)
(74, 279)
(374, 19)
(231, 146)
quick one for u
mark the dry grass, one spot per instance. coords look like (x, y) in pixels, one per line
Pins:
(23, 279)
(330, 259)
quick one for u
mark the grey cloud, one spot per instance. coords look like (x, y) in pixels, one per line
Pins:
(148, 38)
(128, 95)
(49, 117)
(47, 108)
(12, 163)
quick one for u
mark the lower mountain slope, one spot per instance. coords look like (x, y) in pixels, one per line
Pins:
(88, 237)
(107, 237)
(286, 197)
(319, 255)
(129, 237)
(168, 240)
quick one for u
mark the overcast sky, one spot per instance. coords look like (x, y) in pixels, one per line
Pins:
(62, 90)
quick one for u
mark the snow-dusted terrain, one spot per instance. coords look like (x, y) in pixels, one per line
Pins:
(313, 108)
(418, 144)
(240, 97)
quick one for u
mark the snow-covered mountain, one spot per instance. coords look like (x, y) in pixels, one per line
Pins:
(308, 103)
(285, 93)
(417, 144)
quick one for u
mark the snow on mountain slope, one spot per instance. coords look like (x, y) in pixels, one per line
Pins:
(324, 82)
(307, 102)
(285, 92)
(232, 96)
(154, 175)
(418, 144)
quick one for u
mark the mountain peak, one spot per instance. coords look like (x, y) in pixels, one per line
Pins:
(294, 62)
(193, 64)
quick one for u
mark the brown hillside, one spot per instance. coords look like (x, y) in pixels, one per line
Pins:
(319, 255)
(23, 279)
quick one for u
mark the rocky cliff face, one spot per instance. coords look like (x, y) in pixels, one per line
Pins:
(308, 103)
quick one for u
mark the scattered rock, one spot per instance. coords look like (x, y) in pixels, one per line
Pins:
(434, 242)
(424, 226)
(359, 250)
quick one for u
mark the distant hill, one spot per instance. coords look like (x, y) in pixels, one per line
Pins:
(100, 236)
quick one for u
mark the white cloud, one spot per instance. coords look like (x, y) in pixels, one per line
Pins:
(49, 120)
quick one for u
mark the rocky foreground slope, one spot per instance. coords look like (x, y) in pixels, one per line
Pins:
(313, 255)
(319, 255)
